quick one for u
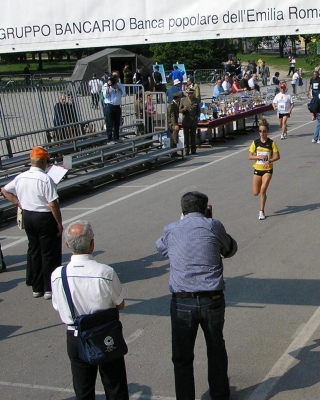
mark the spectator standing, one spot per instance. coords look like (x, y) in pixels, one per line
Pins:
(264, 73)
(195, 246)
(112, 94)
(60, 118)
(175, 74)
(294, 80)
(94, 287)
(314, 84)
(192, 85)
(137, 79)
(292, 65)
(157, 82)
(95, 87)
(127, 74)
(145, 78)
(190, 109)
(283, 104)
(149, 112)
(316, 135)
(173, 119)
(173, 89)
(27, 75)
(35, 193)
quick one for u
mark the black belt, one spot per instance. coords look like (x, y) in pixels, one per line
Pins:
(112, 105)
(184, 295)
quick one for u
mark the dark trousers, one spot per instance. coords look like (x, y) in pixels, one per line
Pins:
(112, 115)
(95, 99)
(190, 133)
(113, 375)
(44, 248)
(186, 315)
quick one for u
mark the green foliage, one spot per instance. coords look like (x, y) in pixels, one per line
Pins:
(313, 58)
(199, 54)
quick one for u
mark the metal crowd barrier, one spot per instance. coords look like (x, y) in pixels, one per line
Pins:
(30, 115)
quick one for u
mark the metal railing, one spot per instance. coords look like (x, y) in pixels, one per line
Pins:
(35, 114)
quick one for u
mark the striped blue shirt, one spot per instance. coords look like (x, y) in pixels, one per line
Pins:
(194, 246)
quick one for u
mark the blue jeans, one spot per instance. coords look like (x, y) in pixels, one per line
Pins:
(186, 315)
(316, 135)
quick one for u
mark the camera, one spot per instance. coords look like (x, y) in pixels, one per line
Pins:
(111, 79)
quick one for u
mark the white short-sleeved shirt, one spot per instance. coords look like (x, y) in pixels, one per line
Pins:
(95, 85)
(93, 287)
(34, 189)
(283, 102)
(226, 86)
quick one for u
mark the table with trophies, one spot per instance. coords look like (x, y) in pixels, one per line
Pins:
(224, 111)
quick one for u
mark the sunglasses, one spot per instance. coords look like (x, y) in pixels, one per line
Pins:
(262, 131)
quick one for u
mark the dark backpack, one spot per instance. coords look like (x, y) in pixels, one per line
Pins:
(314, 105)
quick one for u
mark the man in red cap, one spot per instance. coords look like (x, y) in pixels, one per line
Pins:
(283, 104)
(35, 193)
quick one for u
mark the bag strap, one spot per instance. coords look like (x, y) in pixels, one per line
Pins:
(66, 288)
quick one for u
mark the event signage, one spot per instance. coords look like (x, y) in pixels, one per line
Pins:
(47, 25)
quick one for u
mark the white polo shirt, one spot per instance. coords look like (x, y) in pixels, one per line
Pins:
(93, 287)
(34, 189)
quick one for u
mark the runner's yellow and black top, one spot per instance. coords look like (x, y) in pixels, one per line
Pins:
(263, 149)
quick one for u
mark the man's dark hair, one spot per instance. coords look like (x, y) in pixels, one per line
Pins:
(194, 202)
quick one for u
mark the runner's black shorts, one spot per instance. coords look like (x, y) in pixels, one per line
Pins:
(261, 173)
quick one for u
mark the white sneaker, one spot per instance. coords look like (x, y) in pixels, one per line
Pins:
(261, 215)
(281, 137)
(285, 134)
(318, 141)
(47, 295)
(313, 141)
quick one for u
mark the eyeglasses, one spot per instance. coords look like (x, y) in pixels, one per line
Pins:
(262, 131)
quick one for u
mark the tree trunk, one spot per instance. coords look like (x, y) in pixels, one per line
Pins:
(40, 61)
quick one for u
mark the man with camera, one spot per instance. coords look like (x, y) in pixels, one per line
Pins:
(195, 246)
(112, 93)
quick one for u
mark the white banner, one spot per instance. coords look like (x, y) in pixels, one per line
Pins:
(64, 24)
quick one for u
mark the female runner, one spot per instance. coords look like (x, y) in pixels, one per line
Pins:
(264, 152)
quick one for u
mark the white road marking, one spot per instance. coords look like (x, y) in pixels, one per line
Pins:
(66, 390)
(263, 391)
(128, 196)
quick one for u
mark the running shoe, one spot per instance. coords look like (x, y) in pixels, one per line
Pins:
(261, 215)
(285, 134)
(313, 141)
(318, 141)
(281, 137)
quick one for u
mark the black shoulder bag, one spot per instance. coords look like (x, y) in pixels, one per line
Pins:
(99, 335)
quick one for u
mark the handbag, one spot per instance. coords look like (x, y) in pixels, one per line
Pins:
(99, 335)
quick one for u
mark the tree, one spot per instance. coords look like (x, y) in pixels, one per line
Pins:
(201, 54)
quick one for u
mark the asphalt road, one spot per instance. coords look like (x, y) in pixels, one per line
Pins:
(272, 283)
